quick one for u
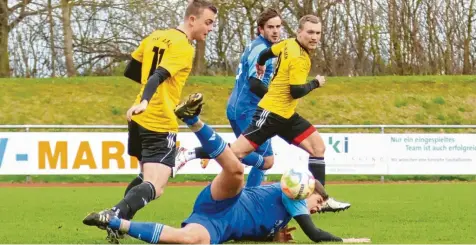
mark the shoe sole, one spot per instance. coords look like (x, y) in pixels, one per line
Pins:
(333, 210)
(92, 220)
(112, 237)
(193, 100)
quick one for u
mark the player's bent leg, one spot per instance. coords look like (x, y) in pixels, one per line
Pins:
(158, 158)
(314, 145)
(229, 182)
(155, 179)
(304, 135)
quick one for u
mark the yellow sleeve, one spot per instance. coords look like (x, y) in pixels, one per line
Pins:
(298, 70)
(276, 48)
(138, 54)
(176, 58)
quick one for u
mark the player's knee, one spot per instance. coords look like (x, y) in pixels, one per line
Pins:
(268, 162)
(241, 147)
(238, 152)
(239, 171)
(159, 191)
(157, 175)
(318, 150)
(159, 187)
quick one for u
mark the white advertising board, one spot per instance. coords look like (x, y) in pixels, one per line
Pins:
(373, 154)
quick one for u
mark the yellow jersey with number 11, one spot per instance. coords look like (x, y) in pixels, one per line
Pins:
(169, 49)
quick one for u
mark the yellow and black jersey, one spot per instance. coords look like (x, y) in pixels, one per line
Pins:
(171, 50)
(292, 68)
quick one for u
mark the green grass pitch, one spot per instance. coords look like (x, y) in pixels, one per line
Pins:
(387, 213)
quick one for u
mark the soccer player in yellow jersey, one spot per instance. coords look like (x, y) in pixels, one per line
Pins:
(276, 112)
(162, 64)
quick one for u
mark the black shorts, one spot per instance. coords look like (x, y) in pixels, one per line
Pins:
(266, 125)
(150, 146)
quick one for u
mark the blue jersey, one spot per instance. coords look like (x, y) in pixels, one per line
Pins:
(242, 101)
(256, 214)
(263, 210)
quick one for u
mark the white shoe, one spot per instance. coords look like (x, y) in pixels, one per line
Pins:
(334, 206)
(180, 160)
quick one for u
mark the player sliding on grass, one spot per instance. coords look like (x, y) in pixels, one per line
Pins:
(224, 210)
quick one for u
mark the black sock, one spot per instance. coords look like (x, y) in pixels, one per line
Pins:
(135, 199)
(200, 153)
(317, 166)
(135, 182)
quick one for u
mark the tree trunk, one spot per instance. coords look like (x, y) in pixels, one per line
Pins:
(52, 40)
(467, 40)
(4, 59)
(395, 40)
(68, 37)
(199, 59)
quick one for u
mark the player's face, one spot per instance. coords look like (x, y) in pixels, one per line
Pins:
(272, 29)
(314, 203)
(202, 25)
(310, 35)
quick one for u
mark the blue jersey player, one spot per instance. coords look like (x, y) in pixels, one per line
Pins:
(224, 210)
(246, 94)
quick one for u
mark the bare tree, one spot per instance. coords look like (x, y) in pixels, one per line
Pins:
(373, 37)
(51, 24)
(467, 39)
(66, 6)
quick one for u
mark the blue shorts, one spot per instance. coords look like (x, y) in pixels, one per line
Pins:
(240, 125)
(215, 216)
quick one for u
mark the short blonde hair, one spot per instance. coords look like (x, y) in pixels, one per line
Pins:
(196, 7)
(308, 18)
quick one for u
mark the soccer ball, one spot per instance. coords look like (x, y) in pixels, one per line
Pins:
(298, 183)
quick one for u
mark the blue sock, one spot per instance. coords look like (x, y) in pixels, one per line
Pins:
(254, 159)
(191, 121)
(211, 142)
(145, 231)
(255, 177)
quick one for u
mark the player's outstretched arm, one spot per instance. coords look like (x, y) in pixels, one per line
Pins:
(318, 235)
(314, 233)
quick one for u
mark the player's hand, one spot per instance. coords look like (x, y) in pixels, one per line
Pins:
(356, 240)
(321, 80)
(136, 109)
(284, 235)
(260, 70)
